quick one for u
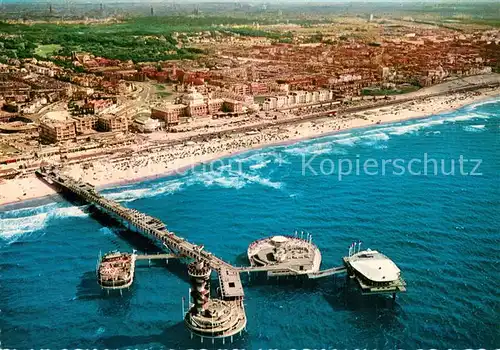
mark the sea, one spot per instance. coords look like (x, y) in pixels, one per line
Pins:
(391, 187)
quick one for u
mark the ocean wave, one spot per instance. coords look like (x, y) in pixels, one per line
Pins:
(166, 187)
(308, 148)
(11, 228)
(350, 141)
(377, 137)
(474, 128)
(483, 103)
(30, 211)
(17, 222)
(469, 116)
(216, 178)
(261, 181)
(260, 165)
(256, 157)
(413, 128)
(67, 212)
(341, 135)
(230, 179)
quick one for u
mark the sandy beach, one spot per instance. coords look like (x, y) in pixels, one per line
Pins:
(176, 158)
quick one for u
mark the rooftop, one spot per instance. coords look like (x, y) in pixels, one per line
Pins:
(375, 266)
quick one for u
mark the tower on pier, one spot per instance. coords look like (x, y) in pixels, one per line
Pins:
(211, 318)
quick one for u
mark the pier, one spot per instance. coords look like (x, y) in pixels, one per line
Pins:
(224, 316)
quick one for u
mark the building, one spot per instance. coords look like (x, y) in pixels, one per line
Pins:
(40, 70)
(215, 105)
(112, 122)
(240, 89)
(85, 124)
(257, 88)
(196, 106)
(57, 131)
(232, 106)
(146, 124)
(98, 106)
(169, 113)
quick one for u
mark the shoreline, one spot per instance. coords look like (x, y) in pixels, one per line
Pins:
(111, 175)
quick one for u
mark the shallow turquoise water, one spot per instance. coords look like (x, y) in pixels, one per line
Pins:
(442, 231)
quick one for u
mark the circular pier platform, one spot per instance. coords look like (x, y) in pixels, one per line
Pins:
(219, 319)
(285, 253)
(116, 270)
(212, 318)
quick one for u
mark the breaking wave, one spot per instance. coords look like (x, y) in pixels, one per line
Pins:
(12, 227)
(260, 165)
(166, 187)
(229, 179)
(469, 116)
(483, 103)
(17, 222)
(474, 128)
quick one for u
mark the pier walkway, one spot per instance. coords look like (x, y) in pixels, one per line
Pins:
(156, 256)
(149, 226)
(327, 272)
(153, 228)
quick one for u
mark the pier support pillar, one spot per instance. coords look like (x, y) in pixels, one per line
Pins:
(231, 339)
(223, 341)
(393, 296)
(202, 340)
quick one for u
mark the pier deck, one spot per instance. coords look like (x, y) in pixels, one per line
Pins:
(156, 256)
(327, 272)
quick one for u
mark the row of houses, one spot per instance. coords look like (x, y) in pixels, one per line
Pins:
(296, 98)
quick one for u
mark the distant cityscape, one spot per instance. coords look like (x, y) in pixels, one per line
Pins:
(75, 92)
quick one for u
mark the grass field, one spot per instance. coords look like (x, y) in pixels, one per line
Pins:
(47, 50)
(164, 93)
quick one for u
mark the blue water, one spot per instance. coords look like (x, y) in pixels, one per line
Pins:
(442, 231)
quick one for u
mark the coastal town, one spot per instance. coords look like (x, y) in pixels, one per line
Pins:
(249, 174)
(103, 119)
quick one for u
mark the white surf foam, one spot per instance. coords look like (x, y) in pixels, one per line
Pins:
(10, 228)
(68, 212)
(469, 116)
(308, 148)
(261, 181)
(215, 178)
(350, 141)
(377, 137)
(474, 128)
(166, 187)
(260, 165)
(31, 210)
(413, 128)
(483, 103)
